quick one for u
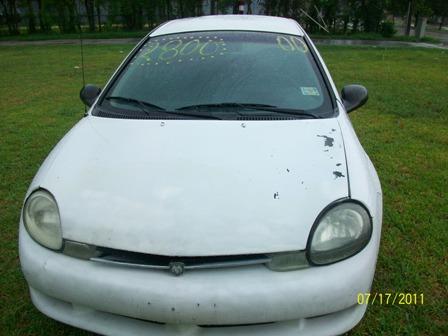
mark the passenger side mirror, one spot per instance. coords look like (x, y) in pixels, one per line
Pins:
(89, 93)
(354, 96)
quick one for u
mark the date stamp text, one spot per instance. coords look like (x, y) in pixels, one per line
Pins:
(391, 298)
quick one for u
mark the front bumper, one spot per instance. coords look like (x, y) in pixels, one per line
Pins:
(123, 301)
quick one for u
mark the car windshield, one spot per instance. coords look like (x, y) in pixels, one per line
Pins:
(220, 75)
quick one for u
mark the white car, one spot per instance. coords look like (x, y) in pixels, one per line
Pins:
(215, 187)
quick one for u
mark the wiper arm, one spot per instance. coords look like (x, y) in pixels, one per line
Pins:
(249, 106)
(295, 112)
(142, 104)
(221, 105)
(155, 108)
(209, 106)
(196, 115)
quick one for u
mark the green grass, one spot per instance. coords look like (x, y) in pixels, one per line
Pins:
(374, 37)
(403, 128)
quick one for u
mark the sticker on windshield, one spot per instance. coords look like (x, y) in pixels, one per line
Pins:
(309, 91)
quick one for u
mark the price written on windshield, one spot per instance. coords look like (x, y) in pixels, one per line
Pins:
(291, 44)
(167, 50)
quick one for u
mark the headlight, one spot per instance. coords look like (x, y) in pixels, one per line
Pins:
(41, 218)
(340, 232)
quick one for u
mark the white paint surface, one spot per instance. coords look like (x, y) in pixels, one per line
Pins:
(196, 188)
(231, 22)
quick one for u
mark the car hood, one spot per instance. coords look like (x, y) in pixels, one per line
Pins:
(195, 187)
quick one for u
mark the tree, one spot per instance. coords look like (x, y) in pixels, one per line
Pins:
(98, 4)
(12, 17)
(372, 13)
(440, 8)
(222, 6)
(132, 12)
(213, 4)
(65, 14)
(335, 15)
(42, 14)
(90, 13)
(31, 17)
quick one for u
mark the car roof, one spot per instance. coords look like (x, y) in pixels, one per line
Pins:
(230, 22)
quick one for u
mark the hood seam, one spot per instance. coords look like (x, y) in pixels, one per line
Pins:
(346, 161)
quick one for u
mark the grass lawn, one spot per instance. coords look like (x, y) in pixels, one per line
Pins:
(374, 37)
(403, 127)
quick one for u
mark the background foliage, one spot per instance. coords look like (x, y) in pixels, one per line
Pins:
(69, 16)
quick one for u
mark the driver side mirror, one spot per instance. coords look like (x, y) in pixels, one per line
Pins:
(89, 93)
(354, 96)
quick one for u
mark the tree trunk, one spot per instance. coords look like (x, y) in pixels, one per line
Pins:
(11, 16)
(43, 25)
(181, 10)
(407, 30)
(67, 18)
(286, 7)
(139, 17)
(169, 9)
(31, 18)
(90, 14)
(441, 22)
(98, 15)
(73, 19)
(212, 7)
(249, 6)
(355, 25)
(346, 21)
(267, 7)
(235, 7)
(60, 17)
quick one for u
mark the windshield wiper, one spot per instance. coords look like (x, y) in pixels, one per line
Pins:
(222, 105)
(143, 105)
(249, 106)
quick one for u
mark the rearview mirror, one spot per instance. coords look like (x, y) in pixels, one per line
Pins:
(354, 96)
(89, 93)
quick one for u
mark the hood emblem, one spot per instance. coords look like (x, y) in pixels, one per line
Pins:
(177, 267)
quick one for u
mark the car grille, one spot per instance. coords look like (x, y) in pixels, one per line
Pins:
(175, 264)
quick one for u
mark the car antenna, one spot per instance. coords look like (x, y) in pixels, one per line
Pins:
(82, 53)
(309, 16)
